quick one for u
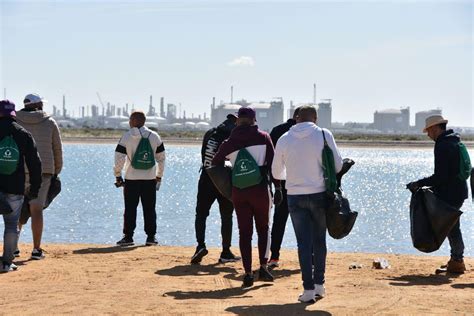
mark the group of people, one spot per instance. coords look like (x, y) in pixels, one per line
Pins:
(27, 137)
(295, 168)
(283, 168)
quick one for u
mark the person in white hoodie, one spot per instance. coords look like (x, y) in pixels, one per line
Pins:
(298, 160)
(140, 184)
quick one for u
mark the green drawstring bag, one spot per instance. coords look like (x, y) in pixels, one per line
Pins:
(9, 156)
(245, 172)
(329, 169)
(144, 157)
(464, 163)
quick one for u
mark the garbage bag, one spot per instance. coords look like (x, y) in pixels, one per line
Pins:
(339, 217)
(431, 220)
(53, 191)
(221, 176)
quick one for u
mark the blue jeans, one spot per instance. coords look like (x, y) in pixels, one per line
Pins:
(308, 215)
(455, 240)
(10, 235)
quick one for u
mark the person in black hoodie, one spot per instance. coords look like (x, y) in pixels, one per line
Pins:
(445, 182)
(280, 217)
(208, 194)
(12, 184)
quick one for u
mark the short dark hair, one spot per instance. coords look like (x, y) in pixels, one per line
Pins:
(139, 116)
(296, 112)
(307, 113)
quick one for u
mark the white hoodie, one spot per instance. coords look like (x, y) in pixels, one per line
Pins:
(298, 158)
(126, 149)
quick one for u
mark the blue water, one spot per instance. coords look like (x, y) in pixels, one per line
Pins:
(90, 208)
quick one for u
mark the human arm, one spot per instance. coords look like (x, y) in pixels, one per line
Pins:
(120, 157)
(33, 163)
(57, 149)
(445, 166)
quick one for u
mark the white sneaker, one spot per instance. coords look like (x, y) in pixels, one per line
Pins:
(307, 296)
(319, 290)
(8, 267)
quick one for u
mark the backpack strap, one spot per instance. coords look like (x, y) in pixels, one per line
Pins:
(324, 137)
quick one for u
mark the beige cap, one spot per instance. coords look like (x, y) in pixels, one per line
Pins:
(433, 120)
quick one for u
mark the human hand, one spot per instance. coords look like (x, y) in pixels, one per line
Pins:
(278, 197)
(413, 186)
(158, 183)
(30, 195)
(119, 181)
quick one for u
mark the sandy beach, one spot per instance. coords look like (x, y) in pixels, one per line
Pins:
(104, 279)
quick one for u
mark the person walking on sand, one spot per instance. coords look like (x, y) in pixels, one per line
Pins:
(17, 148)
(446, 182)
(46, 133)
(250, 152)
(208, 193)
(298, 159)
(280, 216)
(139, 151)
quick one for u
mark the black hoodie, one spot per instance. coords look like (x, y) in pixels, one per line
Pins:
(15, 183)
(445, 182)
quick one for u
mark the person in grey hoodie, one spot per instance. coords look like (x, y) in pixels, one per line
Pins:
(46, 134)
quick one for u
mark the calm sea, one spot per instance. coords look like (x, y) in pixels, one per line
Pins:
(90, 208)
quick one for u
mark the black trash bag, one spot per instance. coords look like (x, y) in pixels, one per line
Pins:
(339, 217)
(53, 191)
(431, 220)
(221, 176)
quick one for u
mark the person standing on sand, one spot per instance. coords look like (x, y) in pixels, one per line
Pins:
(17, 148)
(139, 150)
(280, 217)
(446, 183)
(46, 133)
(252, 201)
(208, 193)
(298, 159)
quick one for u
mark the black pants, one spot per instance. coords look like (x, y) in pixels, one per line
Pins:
(280, 217)
(207, 194)
(134, 191)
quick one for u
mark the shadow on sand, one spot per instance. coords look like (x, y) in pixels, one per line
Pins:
(104, 250)
(236, 292)
(463, 286)
(413, 280)
(275, 309)
(197, 270)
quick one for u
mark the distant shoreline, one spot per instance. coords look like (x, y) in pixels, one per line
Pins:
(342, 143)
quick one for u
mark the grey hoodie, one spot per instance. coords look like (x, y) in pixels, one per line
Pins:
(46, 133)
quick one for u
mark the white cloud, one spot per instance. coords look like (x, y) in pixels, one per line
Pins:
(242, 61)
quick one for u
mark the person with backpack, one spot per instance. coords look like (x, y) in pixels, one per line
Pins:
(250, 151)
(299, 160)
(208, 193)
(142, 153)
(452, 169)
(280, 216)
(17, 148)
(46, 133)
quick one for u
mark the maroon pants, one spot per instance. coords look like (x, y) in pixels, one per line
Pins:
(250, 203)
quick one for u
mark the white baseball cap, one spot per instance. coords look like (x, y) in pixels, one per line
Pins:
(33, 98)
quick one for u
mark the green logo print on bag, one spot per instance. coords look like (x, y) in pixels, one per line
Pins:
(246, 172)
(464, 163)
(143, 158)
(9, 156)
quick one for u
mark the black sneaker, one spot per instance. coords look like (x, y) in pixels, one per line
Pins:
(125, 241)
(199, 254)
(248, 280)
(228, 256)
(16, 253)
(37, 254)
(151, 241)
(265, 275)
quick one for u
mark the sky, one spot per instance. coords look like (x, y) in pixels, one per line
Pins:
(364, 55)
